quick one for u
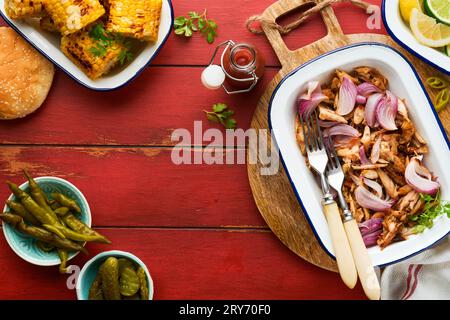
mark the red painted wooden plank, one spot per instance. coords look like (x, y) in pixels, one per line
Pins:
(141, 186)
(231, 17)
(191, 264)
(143, 113)
(232, 26)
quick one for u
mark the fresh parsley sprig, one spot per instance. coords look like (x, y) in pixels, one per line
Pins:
(196, 22)
(433, 208)
(221, 114)
(105, 39)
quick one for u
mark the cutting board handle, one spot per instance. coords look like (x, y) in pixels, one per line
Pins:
(335, 37)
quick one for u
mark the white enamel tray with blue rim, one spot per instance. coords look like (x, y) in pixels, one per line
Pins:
(401, 33)
(48, 44)
(405, 83)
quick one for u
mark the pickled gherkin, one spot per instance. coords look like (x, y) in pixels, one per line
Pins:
(96, 292)
(119, 279)
(129, 282)
(144, 285)
(110, 279)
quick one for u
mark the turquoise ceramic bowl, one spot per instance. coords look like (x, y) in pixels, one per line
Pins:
(90, 270)
(25, 246)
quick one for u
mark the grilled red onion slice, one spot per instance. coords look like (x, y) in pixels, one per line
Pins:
(344, 141)
(366, 89)
(347, 97)
(362, 156)
(368, 200)
(374, 185)
(307, 106)
(341, 129)
(375, 153)
(419, 183)
(371, 230)
(327, 124)
(361, 99)
(371, 107)
(386, 112)
(313, 87)
(371, 225)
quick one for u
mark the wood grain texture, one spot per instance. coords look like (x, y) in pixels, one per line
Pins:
(190, 264)
(143, 113)
(141, 186)
(281, 211)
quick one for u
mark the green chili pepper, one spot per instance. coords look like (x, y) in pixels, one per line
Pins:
(62, 211)
(63, 256)
(44, 246)
(436, 83)
(442, 99)
(54, 230)
(78, 226)
(66, 202)
(38, 194)
(39, 213)
(95, 292)
(76, 236)
(18, 209)
(40, 234)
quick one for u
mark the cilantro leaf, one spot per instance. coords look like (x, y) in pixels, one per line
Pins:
(219, 107)
(193, 22)
(222, 114)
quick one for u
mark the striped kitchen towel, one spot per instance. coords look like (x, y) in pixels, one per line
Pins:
(423, 277)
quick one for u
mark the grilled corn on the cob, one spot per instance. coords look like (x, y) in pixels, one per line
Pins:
(17, 9)
(135, 19)
(73, 15)
(48, 24)
(80, 48)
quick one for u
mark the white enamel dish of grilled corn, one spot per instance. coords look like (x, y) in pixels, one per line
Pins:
(73, 30)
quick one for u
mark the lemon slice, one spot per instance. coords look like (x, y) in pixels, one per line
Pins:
(427, 31)
(439, 9)
(406, 7)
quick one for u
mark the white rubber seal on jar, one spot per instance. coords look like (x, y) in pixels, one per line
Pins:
(213, 77)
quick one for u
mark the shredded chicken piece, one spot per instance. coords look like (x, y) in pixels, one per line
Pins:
(388, 184)
(369, 166)
(330, 115)
(370, 174)
(358, 115)
(366, 138)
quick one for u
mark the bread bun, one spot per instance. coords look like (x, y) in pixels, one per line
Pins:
(25, 76)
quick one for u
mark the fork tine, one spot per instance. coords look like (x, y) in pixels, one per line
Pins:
(313, 135)
(319, 131)
(305, 134)
(335, 158)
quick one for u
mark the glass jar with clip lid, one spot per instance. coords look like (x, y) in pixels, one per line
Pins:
(241, 67)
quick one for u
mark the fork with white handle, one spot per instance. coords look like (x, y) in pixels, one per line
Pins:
(366, 272)
(318, 159)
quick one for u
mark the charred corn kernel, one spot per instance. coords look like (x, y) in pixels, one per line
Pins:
(73, 15)
(135, 19)
(80, 48)
(47, 23)
(17, 9)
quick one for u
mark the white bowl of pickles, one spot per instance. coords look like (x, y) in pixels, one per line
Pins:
(115, 275)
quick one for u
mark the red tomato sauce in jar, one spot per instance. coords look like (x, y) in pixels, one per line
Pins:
(242, 61)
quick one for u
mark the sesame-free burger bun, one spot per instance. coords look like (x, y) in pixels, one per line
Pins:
(25, 76)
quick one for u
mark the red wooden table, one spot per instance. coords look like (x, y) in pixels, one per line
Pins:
(195, 226)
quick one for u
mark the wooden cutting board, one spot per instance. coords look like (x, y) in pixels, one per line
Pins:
(273, 194)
